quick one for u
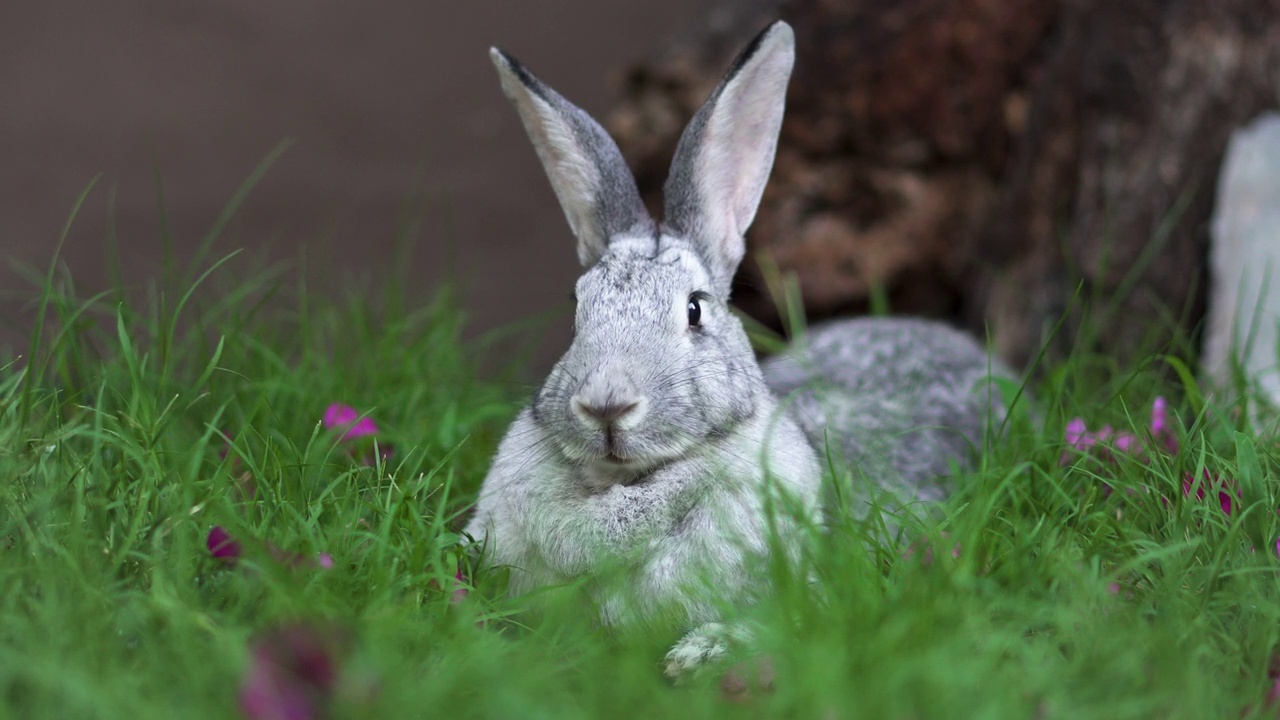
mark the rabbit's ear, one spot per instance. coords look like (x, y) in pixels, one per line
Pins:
(592, 181)
(724, 156)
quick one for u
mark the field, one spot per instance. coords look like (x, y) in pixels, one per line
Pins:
(1077, 573)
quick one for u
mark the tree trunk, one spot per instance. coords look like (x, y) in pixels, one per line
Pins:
(1004, 163)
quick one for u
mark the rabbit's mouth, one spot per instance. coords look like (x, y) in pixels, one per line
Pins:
(618, 450)
(611, 449)
(613, 453)
(617, 453)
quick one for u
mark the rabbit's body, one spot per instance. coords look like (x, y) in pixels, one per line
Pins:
(655, 461)
(903, 401)
(687, 528)
(676, 501)
(697, 519)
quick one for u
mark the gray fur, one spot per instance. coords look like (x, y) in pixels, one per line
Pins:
(660, 448)
(900, 400)
(596, 190)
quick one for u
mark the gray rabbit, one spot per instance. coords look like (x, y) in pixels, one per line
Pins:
(658, 449)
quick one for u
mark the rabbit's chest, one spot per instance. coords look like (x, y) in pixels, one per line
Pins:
(660, 549)
(573, 527)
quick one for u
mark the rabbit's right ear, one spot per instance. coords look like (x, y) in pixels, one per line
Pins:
(724, 157)
(586, 169)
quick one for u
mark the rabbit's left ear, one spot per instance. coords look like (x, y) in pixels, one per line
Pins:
(725, 154)
(591, 180)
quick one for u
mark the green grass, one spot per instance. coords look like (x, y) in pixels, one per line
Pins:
(112, 435)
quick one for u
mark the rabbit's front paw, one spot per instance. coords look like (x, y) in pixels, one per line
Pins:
(704, 646)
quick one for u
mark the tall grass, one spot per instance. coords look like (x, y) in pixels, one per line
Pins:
(1092, 588)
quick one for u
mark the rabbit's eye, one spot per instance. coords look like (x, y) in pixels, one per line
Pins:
(695, 310)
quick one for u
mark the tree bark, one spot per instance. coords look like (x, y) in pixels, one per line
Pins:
(1004, 163)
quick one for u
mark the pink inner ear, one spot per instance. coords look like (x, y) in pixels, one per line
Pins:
(724, 156)
(741, 137)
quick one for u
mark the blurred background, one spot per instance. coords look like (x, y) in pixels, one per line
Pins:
(393, 106)
(1041, 172)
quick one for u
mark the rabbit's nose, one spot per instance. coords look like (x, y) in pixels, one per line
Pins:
(607, 412)
(608, 398)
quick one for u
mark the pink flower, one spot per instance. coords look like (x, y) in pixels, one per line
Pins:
(345, 417)
(1079, 438)
(1127, 443)
(222, 546)
(338, 416)
(292, 673)
(460, 591)
(1228, 494)
(1161, 430)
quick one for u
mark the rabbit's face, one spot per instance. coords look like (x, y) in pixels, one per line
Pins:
(658, 364)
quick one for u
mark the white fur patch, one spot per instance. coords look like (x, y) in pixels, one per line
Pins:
(704, 646)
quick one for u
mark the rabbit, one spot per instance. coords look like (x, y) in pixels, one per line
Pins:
(658, 444)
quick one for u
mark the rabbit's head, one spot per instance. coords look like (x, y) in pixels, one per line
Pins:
(658, 365)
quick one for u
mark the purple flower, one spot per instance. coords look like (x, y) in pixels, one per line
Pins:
(292, 674)
(1273, 674)
(339, 416)
(222, 546)
(1224, 497)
